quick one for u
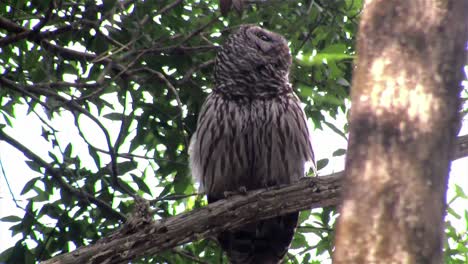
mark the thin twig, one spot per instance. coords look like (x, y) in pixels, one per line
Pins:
(9, 83)
(173, 197)
(176, 95)
(187, 255)
(169, 7)
(188, 74)
(8, 185)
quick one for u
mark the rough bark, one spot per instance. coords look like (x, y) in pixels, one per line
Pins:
(404, 121)
(143, 237)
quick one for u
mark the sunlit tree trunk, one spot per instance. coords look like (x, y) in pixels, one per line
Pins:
(404, 120)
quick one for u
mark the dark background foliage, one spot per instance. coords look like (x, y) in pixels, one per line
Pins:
(131, 77)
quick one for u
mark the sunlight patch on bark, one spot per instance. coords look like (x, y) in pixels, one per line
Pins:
(391, 95)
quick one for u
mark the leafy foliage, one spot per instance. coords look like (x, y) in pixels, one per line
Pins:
(128, 78)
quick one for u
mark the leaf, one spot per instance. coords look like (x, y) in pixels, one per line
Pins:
(459, 192)
(320, 58)
(299, 241)
(114, 116)
(322, 163)
(339, 152)
(93, 153)
(29, 185)
(41, 196)
(5, 255)
(141, 184)
(453, 213)
(335, 129)
(126, 166)
(181, 182)
(338, 48)
(343, 82)
(68, 150)
(11, 219)
(33, 165)
(303, 216)
(323, 245)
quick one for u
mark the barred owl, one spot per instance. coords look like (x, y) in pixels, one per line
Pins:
(251, 134)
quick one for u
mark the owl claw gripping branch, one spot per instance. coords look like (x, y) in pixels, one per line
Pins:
(252, 133)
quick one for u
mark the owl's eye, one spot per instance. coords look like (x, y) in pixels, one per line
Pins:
(263, 37)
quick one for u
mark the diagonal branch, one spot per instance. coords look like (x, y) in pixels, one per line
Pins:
(208, 221)
(73, 106)
(154, 237)
(461, 148)
(57, 176)
(170, 6)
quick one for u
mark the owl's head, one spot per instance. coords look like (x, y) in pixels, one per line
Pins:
(253, 56)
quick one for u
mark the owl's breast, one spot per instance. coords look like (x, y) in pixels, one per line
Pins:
(249, 144)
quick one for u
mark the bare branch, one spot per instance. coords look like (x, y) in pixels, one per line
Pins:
(169, 7)
(461, 148)
(188, 74)
(10, 25)
(188, 255)
(210, 220)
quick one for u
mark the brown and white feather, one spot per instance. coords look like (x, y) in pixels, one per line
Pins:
(252, 133)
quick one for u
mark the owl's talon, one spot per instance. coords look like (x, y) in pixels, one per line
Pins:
(228, 194)
(242, 190)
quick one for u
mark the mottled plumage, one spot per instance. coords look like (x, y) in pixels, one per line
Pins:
(252, 133)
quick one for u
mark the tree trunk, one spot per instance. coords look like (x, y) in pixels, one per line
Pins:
(404, 121)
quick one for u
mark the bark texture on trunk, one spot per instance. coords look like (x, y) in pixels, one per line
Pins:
(403, 126)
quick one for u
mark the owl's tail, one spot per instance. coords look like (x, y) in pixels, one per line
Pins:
(263, 242)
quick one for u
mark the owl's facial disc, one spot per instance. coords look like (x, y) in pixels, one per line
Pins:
(264, 40)
(272, 47)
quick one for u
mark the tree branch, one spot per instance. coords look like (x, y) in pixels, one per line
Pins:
(74, 106)
(169, 7)
(208, 221)
(461, 148)
(57, 176)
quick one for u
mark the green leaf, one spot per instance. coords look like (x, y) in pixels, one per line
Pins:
(299, 241)
(41, 196)
(114, 116)
(335, 129)
(29, 185)
(33, 165)
(332, 53)
(141, 184)
(126, 166)
(68, 151)
(93, 153)
(303, 216)
(322, 163)
(181, 182)
(11, 219)
(459, 192)
(453, 213)
(339, 152)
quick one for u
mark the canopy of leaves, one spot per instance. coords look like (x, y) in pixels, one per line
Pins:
(130, 77)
